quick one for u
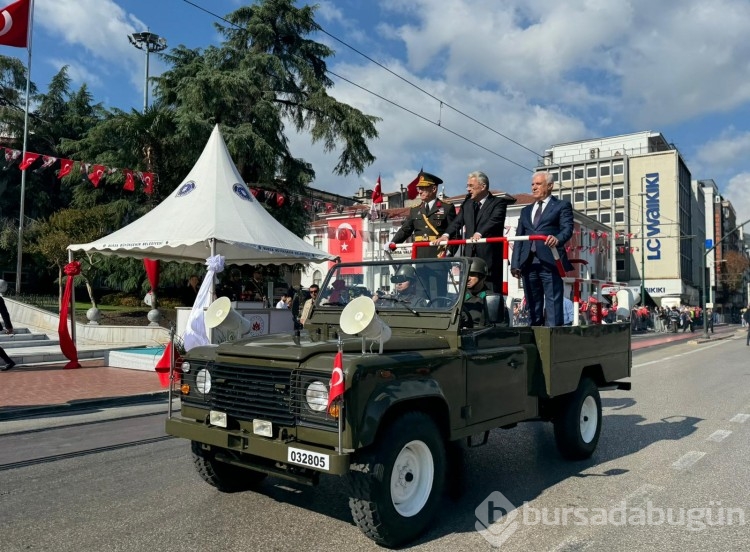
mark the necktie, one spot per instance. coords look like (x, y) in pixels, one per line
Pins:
(537, 218)
(538, 214)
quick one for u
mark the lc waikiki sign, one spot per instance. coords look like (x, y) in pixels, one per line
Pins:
(653, 218)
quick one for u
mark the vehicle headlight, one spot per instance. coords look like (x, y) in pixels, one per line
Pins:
(185, 367)
(316, 396)
(203, 381)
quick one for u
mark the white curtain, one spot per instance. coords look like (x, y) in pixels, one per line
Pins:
(195, 332)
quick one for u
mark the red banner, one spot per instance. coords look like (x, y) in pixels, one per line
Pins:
(67, 346)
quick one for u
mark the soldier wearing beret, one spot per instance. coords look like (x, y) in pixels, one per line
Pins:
(428, 220)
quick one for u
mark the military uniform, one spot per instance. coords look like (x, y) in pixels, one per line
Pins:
(473, 313)
(426, 224)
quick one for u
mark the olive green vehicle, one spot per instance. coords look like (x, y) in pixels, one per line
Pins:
(259, 406)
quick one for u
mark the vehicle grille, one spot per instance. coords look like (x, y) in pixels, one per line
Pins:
(249, 392)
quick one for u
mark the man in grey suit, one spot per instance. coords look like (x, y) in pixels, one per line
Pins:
(533, 260)
(483, 215)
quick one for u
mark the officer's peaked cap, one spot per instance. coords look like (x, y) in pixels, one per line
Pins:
(427, 179)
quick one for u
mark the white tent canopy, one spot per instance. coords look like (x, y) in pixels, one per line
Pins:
(212, 212)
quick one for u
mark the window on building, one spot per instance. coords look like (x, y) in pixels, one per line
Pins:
(578, 173)
(604, 170)
(604, 193)
(619, 216)
(579, 197)
(594, 216)
(620, 265)
(591, 195)
(318, 242)
(566, 174)
(317, 278)
(566, 197)
(591, 172)
(619, 193)
(618, 168)
(555, 176)
(605, 218)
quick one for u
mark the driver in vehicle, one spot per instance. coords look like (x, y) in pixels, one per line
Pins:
(407, 289)
(473, 312)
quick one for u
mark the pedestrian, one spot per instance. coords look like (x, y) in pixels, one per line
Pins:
(746, 320)
(307, 307)
(483, 216)
(7, 329)
(428, 220)
(256, 287)
(533, 261)
(283, 304)
(569, 311)
(190, 293)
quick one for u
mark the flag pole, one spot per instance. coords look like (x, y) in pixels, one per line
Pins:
(19, 260)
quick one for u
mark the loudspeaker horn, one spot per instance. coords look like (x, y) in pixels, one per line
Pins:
(224, 318)
(359, 317)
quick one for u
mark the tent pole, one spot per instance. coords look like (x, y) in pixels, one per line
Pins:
(212, 241)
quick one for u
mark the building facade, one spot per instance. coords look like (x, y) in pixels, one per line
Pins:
(640, 185)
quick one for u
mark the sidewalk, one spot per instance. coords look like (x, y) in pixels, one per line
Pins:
(31, 390)
(48, 388)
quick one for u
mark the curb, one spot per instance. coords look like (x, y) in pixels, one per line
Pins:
(14, 413)
(700, 340)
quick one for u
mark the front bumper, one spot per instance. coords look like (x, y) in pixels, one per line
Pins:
(246, 443)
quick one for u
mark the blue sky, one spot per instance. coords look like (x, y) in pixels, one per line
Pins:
(539, 72)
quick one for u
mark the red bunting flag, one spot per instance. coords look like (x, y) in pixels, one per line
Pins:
(28, 160)
(377, 193)
(96, 174)
(337, 380)
(66, 165)
(47, 162)
(148, 182)
(129, 180)
(11, 156)
(15, 31)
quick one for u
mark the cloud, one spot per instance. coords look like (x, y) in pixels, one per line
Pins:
(727, 149)
(738, 192)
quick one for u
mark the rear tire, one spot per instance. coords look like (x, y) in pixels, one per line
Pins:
(225, 477)
(578, 423)
(395, 495)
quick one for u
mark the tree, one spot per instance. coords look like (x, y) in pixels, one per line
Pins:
(266, 75)
(734, 270)
(67, 226)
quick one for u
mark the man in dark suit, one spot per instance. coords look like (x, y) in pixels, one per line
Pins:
(533, 260)
(427, 221)
(483, 215)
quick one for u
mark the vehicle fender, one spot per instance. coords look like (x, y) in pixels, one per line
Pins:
(391, 399)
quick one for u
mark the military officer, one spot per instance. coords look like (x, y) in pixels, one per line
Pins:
(428, 220)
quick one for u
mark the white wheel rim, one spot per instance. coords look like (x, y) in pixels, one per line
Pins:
(411, 479)
(589, 419)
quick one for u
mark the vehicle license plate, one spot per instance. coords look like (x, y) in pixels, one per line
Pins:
(308, 459)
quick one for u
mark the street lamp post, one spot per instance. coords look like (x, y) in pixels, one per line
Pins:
(149, 42)
(703, 277)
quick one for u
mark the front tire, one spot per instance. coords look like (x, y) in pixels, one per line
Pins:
(395, 495)
(578, 423)
(225, 477)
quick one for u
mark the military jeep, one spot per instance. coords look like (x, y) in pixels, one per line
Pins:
(417, 385)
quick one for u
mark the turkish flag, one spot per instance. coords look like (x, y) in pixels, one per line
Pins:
(15, 24)
(28, 160)
(349, 242)
(97, 171)
(47, 162)
(148, 182)
(377, 193)
(337, 380)
(66, 165)
(129, 181)
(411, 189)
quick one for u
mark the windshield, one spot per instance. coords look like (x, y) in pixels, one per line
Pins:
(417, 284)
